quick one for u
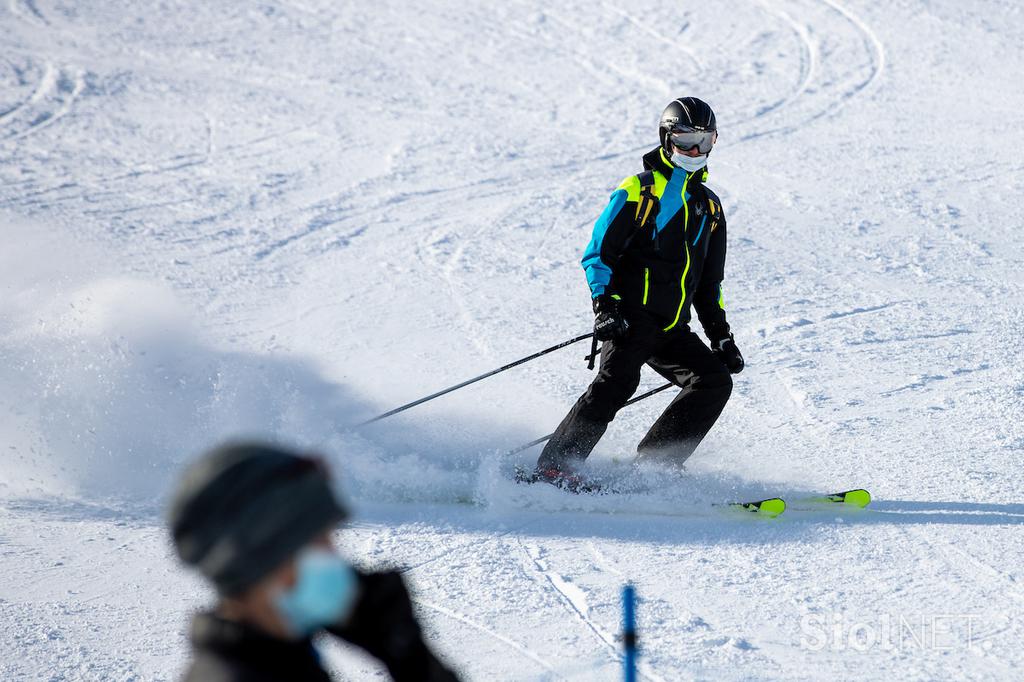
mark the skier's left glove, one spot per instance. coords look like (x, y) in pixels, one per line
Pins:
(728, 353)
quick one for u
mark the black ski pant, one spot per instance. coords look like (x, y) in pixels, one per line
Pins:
(679, 356)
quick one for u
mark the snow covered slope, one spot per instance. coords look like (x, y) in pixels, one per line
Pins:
(279, 218)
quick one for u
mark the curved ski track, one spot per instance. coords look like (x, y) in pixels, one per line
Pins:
(53, 98)
(823, 76)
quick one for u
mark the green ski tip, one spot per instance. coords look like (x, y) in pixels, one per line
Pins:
(859, 498)
(771, 507)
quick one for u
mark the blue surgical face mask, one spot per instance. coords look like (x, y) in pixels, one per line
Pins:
(690, 164)
(323, 594)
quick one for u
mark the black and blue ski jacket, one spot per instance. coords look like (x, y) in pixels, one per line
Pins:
(674, 260)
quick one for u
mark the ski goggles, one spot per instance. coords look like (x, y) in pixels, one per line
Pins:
(688, 138)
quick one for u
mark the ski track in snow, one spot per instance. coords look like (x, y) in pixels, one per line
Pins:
(52, 99)
(572, 595)
(518, 648)
(818, 71)
(400, 195)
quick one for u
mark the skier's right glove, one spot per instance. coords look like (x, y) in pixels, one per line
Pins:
(728, 353)
(609, 323)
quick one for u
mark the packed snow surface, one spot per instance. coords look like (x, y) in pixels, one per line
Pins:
(281, 218)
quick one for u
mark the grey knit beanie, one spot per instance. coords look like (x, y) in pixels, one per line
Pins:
(242, 510)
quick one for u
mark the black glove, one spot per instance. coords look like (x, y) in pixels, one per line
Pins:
(383, 623)
(728, 353)
(609, 323)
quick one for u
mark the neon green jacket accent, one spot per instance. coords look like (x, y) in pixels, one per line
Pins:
(675, 260)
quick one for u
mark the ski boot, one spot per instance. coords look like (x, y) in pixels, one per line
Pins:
(563, 480)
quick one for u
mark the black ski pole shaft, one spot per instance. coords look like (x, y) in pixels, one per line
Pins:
(542, 439)
(593, 353)
(659, 389)
(456, 387)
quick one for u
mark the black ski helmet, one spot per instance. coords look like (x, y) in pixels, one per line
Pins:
(685, 114)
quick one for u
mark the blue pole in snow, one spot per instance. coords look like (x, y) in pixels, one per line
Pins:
(629, 631)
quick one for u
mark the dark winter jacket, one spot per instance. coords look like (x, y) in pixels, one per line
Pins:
(227, 651)
(383, 624)
(677, 259)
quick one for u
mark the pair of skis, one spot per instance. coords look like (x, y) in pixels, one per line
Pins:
(769, 507)
(774, 506)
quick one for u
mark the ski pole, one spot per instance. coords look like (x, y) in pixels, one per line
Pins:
(592, 358)
(629, 632)
(538, 441)
(510, 365)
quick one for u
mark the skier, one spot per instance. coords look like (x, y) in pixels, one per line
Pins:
(657, 249)
(256, 522)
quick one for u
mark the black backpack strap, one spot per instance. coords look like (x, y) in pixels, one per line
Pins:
(647, 202)
(646, 207)
(715, 211)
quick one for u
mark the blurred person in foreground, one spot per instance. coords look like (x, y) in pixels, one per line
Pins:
(256, 522)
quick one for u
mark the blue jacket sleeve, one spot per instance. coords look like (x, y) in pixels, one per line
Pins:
(610, 232)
